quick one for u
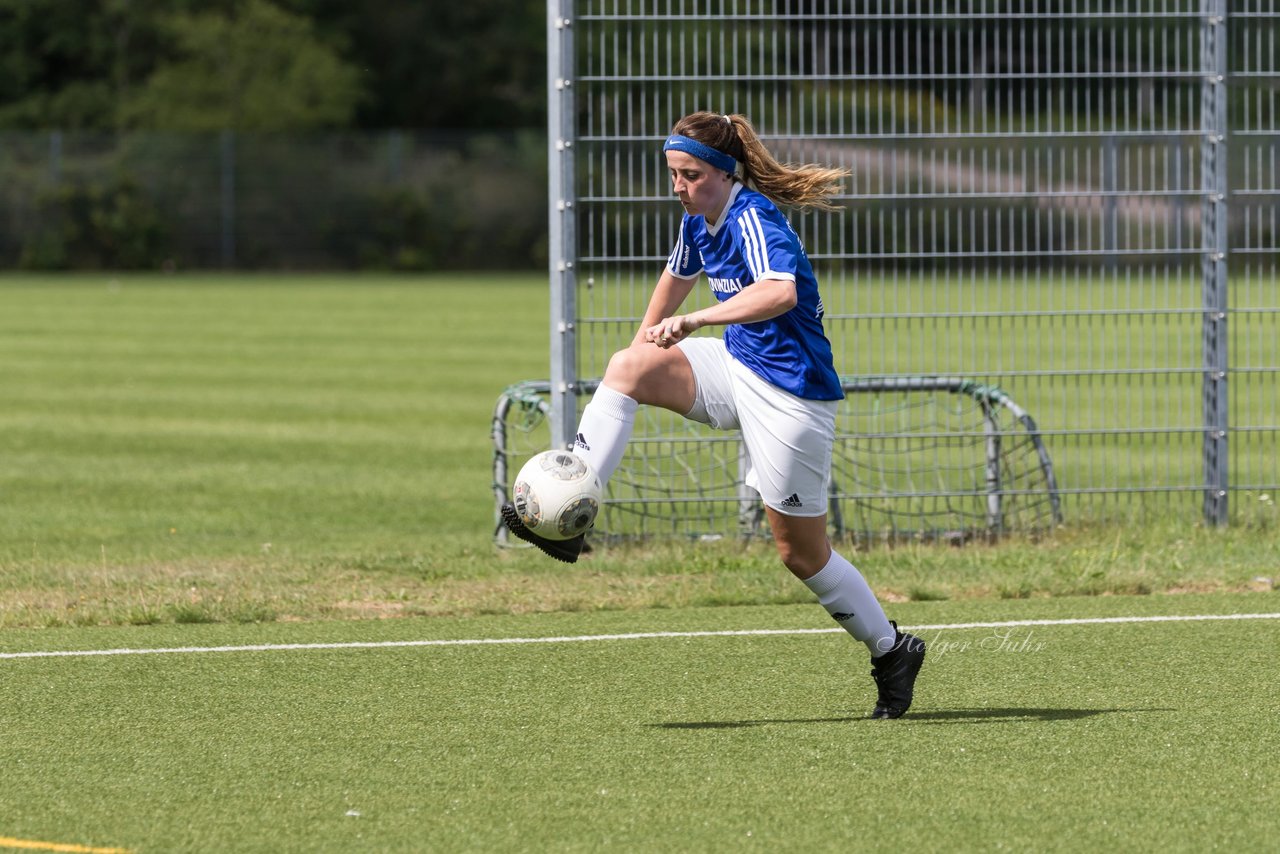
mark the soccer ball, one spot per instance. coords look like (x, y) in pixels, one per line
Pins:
(557, 495)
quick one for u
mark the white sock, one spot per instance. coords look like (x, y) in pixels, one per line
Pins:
(604, 429)
(848, 599)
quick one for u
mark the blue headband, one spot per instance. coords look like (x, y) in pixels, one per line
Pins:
(718, 159)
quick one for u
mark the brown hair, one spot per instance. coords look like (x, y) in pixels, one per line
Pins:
(808, 185)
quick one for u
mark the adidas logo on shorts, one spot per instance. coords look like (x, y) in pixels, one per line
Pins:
(793, 501)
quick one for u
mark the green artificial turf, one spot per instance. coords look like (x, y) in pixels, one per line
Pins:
(1115, 736)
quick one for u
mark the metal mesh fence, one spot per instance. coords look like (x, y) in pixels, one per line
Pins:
(359, 200)
(1075, 202)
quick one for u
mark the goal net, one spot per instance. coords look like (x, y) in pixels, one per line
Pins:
(919, 458)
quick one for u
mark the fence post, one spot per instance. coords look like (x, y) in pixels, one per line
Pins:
(1110, 201)
(227, 184)
(395, 156)
(55, 157)
(1213, 41)
(561, 130)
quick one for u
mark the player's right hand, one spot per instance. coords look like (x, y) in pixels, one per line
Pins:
(671, 330)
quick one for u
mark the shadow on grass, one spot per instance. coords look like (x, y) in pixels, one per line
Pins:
(941, 716)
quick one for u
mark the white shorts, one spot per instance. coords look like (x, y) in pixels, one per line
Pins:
(788, 439)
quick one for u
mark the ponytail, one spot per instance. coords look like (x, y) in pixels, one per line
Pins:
(805, 186)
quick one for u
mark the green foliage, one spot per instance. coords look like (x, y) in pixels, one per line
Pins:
(112, 225)
(71, 65)
(389, 201)
(411, 232)
(271, 64)
(482, 63)
(257, 68)
(476, 204)
(476, 64)
(56, 64)
(75, 106)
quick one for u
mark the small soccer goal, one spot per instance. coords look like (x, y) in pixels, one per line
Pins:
(915, 458)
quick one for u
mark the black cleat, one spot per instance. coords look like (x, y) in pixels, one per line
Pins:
(565, 550)
(895, 674)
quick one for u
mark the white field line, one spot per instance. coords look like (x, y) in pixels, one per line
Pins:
(285, 647)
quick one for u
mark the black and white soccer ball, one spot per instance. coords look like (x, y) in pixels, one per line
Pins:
(557, 495)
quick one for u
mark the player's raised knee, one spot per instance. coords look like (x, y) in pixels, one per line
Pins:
(629, 366)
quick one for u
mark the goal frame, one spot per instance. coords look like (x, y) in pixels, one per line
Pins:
(534, 399)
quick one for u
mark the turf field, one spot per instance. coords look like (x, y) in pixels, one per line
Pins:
(270, 462)
(1087, 736)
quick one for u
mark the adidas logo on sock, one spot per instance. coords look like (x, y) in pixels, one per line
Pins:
(793, 501)
(580, 441)
(840, 616)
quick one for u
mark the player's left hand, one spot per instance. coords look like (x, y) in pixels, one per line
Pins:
(671, 330)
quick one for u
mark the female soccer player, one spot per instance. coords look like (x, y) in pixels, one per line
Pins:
(771, 376)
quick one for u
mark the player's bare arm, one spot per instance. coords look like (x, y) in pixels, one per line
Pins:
(668, 295)
(764, 300)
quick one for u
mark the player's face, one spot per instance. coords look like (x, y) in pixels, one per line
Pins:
(702, 189)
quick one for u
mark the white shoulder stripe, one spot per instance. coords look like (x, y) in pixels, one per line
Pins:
(753, 239)
(750, 243)
(764, 246)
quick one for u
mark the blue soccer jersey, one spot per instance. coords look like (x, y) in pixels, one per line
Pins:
(752, 242)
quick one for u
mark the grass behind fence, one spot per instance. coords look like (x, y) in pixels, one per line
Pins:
(1109, 364)
(208, 448)
(157, 418)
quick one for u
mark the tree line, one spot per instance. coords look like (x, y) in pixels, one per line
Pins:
(272, 65)
(299, 65)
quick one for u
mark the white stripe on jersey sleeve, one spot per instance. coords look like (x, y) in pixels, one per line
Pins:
(753, 239)
(673, 260)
